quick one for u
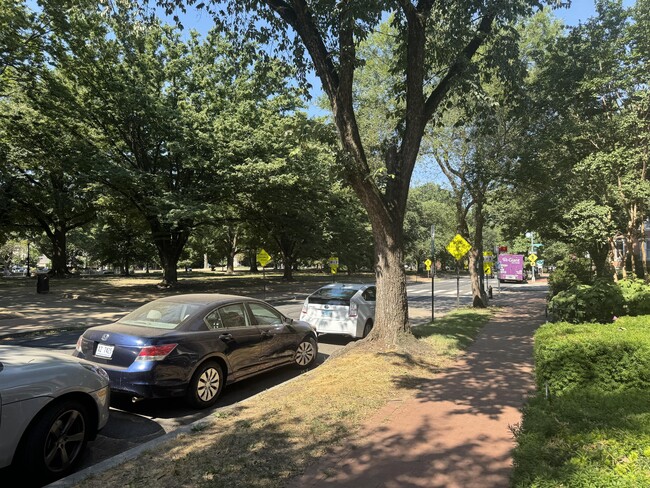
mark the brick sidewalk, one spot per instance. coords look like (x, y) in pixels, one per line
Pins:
(456, 430)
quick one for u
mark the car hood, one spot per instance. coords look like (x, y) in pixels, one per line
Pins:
(27, 372)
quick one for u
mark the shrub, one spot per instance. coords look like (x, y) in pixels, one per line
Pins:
(583, 440)
(611, 357)
(600, 302)
(569, 272)
(594, 428)
(636, 294)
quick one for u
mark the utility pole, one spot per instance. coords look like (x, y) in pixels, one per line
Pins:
(433, 274)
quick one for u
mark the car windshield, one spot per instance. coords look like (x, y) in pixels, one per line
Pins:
(161, 314)
(334, 295)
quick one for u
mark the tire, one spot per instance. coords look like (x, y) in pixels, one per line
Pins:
(55, 443)
(205, 386)
(367, 328)
(306, 353)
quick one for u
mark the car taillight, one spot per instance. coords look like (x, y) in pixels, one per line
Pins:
(155, 353)
(78, 346)
(354, 307)
(304, 307)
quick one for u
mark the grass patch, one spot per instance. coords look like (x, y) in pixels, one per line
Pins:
(273, 437)
(455, 331)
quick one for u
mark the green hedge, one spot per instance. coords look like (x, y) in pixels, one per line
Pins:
(584, 439)
(636, 294)
(611, 357)
(593, 429)
(600, 302)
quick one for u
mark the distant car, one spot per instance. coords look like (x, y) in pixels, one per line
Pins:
(51, 405)
(341, 308)
(191, 345)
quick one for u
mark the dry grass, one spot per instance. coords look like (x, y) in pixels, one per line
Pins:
(265, 441)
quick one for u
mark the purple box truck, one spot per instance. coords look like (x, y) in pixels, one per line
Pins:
(511, 267)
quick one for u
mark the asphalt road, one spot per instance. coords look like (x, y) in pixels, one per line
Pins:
(132, 424)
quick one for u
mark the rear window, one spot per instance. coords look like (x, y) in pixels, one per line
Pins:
(161, 315)
(333, 296)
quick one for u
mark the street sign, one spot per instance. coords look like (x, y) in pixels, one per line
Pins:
(333, 262)
(263, 257)
(487, 268)
(532, 258)
(458, 247)
(503, 248)
(488, 257)
(427, 264)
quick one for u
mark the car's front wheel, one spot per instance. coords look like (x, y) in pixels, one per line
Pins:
(54, 444)
(205, 386)
(306, 353)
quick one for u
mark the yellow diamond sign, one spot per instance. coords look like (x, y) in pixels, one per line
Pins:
(458, 247)
(427, 264)
(532, 258)
(263, 257)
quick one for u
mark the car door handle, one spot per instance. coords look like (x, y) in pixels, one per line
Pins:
(226, 337)
(266, 334)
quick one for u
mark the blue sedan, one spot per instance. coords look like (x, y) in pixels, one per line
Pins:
(193, 345)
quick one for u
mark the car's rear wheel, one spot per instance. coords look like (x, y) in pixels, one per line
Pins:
(205, 386)
(367, 328)
(54, 445)
(306, 353)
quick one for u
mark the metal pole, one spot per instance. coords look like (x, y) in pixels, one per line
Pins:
(27, 273)
(457, 285)
(433, 274)
(264, 280)
(532, 251)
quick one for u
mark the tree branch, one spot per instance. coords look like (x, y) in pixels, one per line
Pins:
(459, 66)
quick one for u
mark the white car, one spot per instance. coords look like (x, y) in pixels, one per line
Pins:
(341, 308)
(51, 405)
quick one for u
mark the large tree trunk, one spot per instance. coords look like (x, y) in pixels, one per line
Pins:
(170, 241)
(231, 249)
(599, 255)
(391, 314)
(59, 257)
(479, 299)
(252, 259)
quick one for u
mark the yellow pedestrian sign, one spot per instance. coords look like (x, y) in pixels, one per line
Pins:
(458, 247)
(263, 257)
(427, 264)
(533, 259)
(333, 262)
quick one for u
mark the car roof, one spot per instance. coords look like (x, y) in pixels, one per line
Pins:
(206, 298)
(351, 286)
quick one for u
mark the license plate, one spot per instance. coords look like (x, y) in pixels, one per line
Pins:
(104, 351)
(326, 313)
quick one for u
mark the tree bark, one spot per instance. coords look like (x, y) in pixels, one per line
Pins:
(391, 314)
(58, 238)
(479, 299)
(170, 241)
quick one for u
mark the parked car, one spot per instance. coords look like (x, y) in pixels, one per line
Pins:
(341, 308)
(191, 345)
(51, 405)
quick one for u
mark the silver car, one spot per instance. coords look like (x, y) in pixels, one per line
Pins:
(51, 405)
(341, 308)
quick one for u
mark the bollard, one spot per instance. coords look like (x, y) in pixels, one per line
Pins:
(489, 292)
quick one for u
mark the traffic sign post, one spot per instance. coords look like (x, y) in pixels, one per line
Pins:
(333, 262)
(458, 247)
(263, 258)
